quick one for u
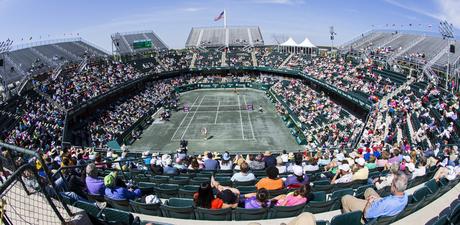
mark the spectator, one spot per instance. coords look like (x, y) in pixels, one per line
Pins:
(297, 197)
(116, 189)
(168, 169)
(257, 163)
(280, 165)
(272, 182)
(374, 206)
(226, 162)
(244, 175)
(210, 163)
(363, 171)
(343, 175)
(297, 180)
(94, 184)
(269, 159)
(204, 198)
(260, 200)
(385, 181)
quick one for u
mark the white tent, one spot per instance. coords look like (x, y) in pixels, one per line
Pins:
(306, 43)
(306, 47)
(290, 42)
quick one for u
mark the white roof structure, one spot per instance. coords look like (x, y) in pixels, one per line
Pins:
(306, 43)
(289, 42)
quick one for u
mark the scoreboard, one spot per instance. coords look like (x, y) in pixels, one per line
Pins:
(140, 44)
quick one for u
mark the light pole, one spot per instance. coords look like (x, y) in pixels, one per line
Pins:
(332, 33)
(447, 32)
(5, 47)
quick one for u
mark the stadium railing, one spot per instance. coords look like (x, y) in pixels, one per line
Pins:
(29, 195)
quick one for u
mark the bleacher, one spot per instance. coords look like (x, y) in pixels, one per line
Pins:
(123, 42)
(224, 37)
(176, 192)
(211, 57)
(42, 57)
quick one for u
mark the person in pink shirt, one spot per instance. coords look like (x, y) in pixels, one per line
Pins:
(297, 197)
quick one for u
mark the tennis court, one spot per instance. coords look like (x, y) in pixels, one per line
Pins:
(229, 123)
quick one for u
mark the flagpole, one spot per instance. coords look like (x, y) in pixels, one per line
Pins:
(225, 18)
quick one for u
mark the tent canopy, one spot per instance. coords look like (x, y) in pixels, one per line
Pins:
(289, 42)
(306, 43)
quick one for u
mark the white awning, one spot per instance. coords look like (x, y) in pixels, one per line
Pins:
(289, 42)
(307, 44)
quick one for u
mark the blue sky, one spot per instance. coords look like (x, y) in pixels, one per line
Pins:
(172, 20)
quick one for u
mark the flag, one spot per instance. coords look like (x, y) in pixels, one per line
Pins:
(219, 17)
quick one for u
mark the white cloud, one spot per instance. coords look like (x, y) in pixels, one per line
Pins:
(447, 10)
(193, 9)
(281, 2)
(450, 11)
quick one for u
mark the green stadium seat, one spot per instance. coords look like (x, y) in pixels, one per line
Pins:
(98, 198)
(159, 179)
(349, 218)
(250, 214)
(359, 193)
(146, 187)
(116, 216)
(213, 214)
(318, 196)
(442, 220)
(179, 208)
(187, 191)
(143, 208)
(224, 181)
(337, 196)
(243, 183)
(454, 216)
(260, 173)
(319, 206)
(179, 180)
(90, 208)
(247, 189)
(274, 193)
(420, 194)
(118, 204)
(166, 190)
(285, 211)
(199, 180)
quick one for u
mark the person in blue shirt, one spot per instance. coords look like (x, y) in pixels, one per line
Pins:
(210, 163)
(373, 206)
(119, 191)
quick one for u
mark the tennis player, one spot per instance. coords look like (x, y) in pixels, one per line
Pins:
(204, 132)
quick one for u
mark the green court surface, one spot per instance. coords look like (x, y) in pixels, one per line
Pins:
(231, 127)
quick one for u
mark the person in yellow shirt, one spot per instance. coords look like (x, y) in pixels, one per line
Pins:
(363, 171)
(272, 182)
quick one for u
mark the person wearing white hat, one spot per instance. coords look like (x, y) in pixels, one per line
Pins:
(226, 162)
(344, 173)
(363, 171)
(298, 179)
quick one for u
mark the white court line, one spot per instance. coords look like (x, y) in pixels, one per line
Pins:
(183, 120)
(213, 111)
(215, 105)
(217, 113)
(193, 116)
(249, 118)
(241, 117)
(218, 139)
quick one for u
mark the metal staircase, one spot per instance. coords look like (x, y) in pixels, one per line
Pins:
(254, 58)
(15, 65)
(192, 62)
(394, 56)
(286, 60)
(44, 58)
(73, 56)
